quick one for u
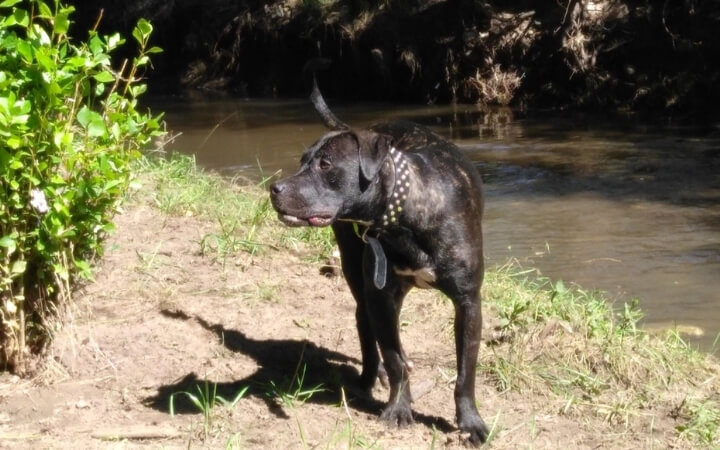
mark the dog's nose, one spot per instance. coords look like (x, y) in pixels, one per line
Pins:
(276, 188)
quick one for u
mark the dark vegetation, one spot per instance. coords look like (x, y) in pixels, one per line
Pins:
(662, 56)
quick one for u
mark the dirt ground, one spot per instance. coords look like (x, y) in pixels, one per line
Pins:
(162, 319)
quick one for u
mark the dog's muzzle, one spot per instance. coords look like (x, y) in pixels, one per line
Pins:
(293, 218)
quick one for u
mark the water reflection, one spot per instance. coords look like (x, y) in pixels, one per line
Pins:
(629, 209)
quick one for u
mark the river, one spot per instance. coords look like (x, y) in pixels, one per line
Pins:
(628, 208)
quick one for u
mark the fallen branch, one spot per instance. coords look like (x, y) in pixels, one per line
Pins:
(136, 432)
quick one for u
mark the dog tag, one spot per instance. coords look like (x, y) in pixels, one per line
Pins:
(379, 263)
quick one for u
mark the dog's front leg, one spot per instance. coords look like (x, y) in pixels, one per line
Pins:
(368, 348)
(383, 317)
(383, 307)
(351, 254)
(468, 323)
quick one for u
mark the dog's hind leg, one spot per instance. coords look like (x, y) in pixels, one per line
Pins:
(468, 323)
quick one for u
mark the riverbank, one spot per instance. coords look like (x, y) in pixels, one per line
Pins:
(598, 55)
(203, 296)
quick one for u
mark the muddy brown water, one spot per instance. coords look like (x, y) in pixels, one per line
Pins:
(631, 209)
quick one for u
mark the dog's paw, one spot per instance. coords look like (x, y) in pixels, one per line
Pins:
(397, 414)
(382, 376)
(367, 378)
(478, 431)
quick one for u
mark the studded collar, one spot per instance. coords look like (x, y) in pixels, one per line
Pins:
(396, 200)
(400, 188)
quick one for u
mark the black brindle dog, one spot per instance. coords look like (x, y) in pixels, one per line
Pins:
(406, 208)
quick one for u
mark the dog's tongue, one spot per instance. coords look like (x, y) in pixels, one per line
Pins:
(318, 221)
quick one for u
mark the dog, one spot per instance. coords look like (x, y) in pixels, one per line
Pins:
(406, 207)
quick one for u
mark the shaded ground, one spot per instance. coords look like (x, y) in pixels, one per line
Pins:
(162, 319)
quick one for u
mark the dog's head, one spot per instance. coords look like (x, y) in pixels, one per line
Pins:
(334, 177)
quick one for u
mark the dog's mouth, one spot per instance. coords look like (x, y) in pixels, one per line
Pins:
(321, 220)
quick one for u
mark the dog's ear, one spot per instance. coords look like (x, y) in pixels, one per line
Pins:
(372, 150)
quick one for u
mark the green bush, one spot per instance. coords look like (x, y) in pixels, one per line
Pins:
(69, 127)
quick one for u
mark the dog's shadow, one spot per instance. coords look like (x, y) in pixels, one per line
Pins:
(286, 368)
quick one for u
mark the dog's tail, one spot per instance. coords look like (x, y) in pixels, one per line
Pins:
(329, 119)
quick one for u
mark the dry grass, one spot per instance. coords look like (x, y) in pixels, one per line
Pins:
(493, 87)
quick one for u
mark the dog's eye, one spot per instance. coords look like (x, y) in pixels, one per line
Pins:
(324, 164)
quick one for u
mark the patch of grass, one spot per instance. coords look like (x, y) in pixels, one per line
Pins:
(233, 442)
(205, 400)
(178, 187)
(574, 348)
(149, 261)
(346, 435)
(296, 393)
(245, 222)
(495, 429)
(701, 421)
(268, 291)
(321, 240)
(227, 241)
